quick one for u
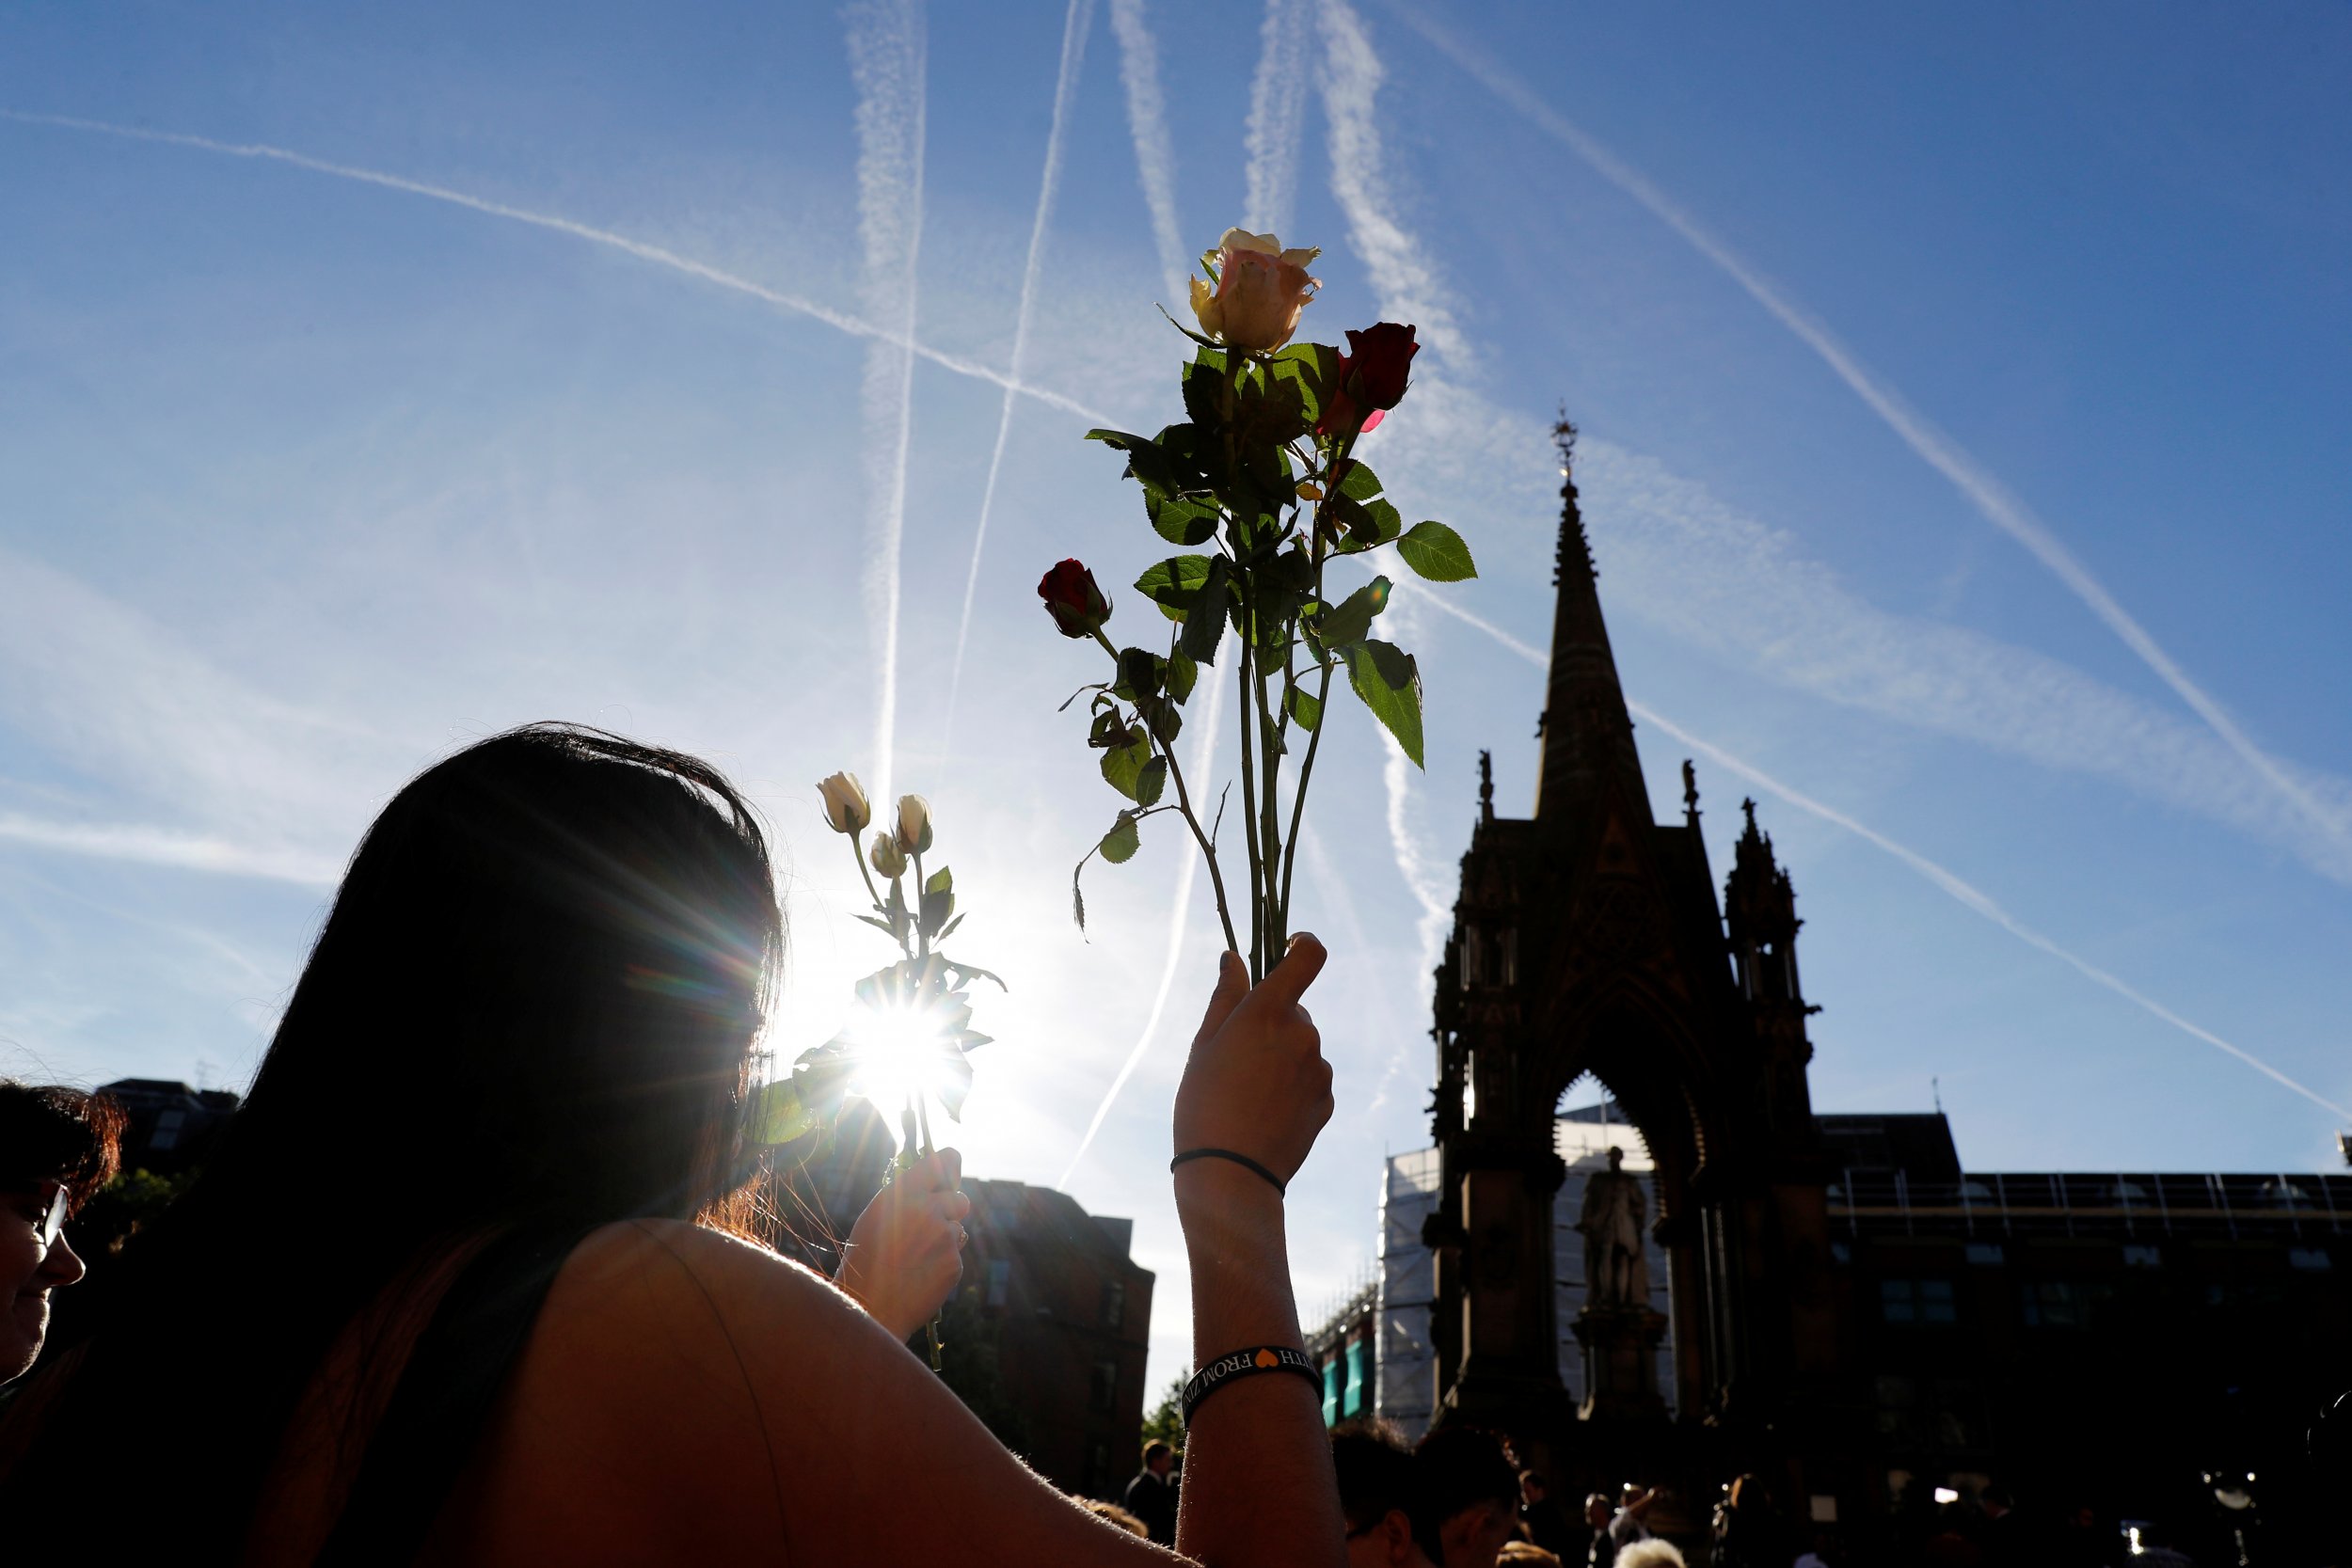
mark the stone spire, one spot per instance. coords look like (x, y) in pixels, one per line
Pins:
(1588, 737)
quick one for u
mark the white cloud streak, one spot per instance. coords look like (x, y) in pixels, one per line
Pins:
(841, 321)
(888, 63)
(1075, 21)
(1992, 499)
(1206, 724)
(1155, 153)
(1949, 882)
(1402, 279)
(1408, 282)
(166, 847)
(1278, 113)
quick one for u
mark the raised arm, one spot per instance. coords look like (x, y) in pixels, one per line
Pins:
(1259, 1489)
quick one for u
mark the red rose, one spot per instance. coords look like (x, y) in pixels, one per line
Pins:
(1372, 379)
(1379, 362)
(1076, 605)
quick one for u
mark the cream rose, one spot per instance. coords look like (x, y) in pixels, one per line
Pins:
(914, 824)
(846, 811)
(886, 858)
(1260, 291)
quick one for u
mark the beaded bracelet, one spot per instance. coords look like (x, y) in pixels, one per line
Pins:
(1242, 1160)
(1247, 1363)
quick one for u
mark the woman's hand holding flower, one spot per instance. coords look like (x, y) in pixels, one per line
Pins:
(906, 1251)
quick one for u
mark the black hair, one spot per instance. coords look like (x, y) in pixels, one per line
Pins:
(535, 1002)
(48, 1133)
(1461, 1468)
(1377, 1474)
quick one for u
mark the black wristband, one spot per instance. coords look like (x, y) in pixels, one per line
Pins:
(1242, 1160)
(1247, 1363)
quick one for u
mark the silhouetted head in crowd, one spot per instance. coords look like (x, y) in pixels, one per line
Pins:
(1380, 1496)
(1471, 1492)
(532, 1004)
(1158, 1458)
(1652, 1553)
(1111, 1514)
(58, 1146)
(1598, 1509)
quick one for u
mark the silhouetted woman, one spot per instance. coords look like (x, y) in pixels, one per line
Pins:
(58, 1147)
(441, 1293)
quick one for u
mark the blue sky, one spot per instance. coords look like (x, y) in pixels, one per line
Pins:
(1963, 391)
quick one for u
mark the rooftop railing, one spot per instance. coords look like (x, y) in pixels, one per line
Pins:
(2067, 1203)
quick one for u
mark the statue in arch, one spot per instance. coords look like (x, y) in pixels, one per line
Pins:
(1614, 1222)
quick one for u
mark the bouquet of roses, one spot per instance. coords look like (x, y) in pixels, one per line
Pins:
(1259, 484)
(906, 1041)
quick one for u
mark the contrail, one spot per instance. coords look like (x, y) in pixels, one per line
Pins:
(1950, 882)
(1987, 493)
(1278, 105)
(166, 847)
(1073, 47)
(1155, 155)
(1203, 758)
(658, 256)
(1407, 281)
(886, 61)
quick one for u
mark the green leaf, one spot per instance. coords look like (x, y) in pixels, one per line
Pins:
(949, 929)
(1150, 782)
(1118, 440)
(1315, 369)
(1205, 627)
(1351, 619)
(937, 906)
(1122, 765)
(1119, 845)
(1180, 519)
(1359, 483)
(1436, 552)
(781, 1114)
(1139, 671)
(939, 880)
(1181, 673)
(1175, 584)
(1389, 682)
(879, 924)
(1204, 389)
(1305, 709)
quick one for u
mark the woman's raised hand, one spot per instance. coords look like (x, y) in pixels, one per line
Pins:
(1256, 1082)
(906, 1251)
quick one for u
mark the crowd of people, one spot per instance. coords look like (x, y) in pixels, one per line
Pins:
(1456, 1499)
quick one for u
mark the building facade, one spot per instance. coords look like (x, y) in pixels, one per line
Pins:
(1702, 1278)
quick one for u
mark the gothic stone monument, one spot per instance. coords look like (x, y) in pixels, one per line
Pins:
(1587, 939)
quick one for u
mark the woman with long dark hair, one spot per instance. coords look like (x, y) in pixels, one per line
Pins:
(457, 1283)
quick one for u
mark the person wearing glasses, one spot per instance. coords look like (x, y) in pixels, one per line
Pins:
(58, 1146)
(468, 1280)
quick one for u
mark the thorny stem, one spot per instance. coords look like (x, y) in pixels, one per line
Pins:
(1270, 806)
(1243, 662)
(1249, 812)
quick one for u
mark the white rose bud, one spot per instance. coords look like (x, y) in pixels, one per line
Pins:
(846, 811)
(914, 824)
(886, 858)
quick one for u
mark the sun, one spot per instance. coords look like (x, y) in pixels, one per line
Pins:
(904, 1055)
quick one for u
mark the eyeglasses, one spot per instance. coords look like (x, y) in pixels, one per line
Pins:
(50, 1205)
